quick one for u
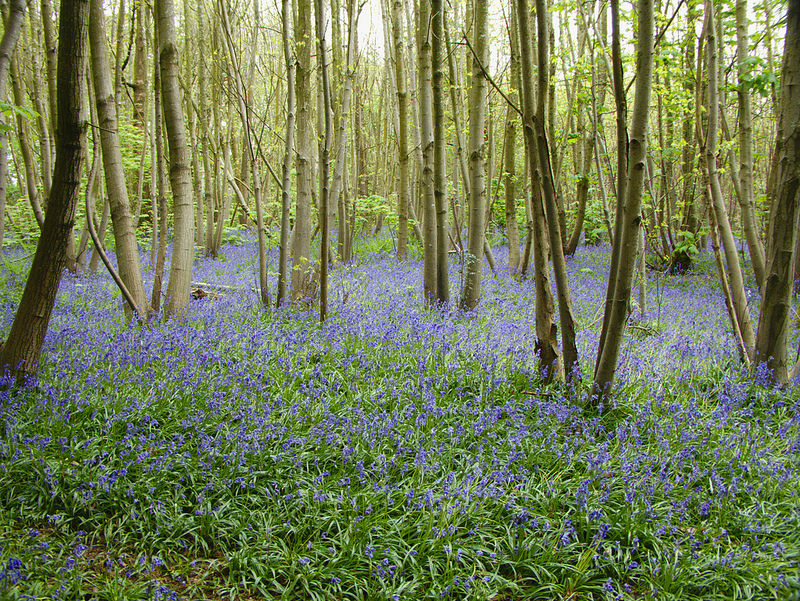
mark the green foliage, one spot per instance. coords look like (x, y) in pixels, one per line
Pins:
(594, 226)
(12, 110)
(757, 77)
(687, 244)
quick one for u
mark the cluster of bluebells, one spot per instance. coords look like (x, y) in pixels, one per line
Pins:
(406, 448)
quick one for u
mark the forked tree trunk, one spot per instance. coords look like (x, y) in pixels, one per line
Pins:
(546, 338)
(621, 106)
(774, 321)
(744, 323)
(628, 233)
(127, 247)
(571, 366)
(22, 350)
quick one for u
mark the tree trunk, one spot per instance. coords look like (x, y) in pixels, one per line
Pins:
(439, 154)
(774, 321)
(473, 261)
(402, 134)
(749, 222)
(509, 153)
(288, 149)
(627, 238)
(50, 56)
(161, 186)
(324, 159)
(738, 292)
(127, 248)
(336, 200)
(13, 27)
(301, 251)
(427, 143)
(546, 343)
(28, 161)
(571, 366)
(180, 175)
(22, 349)
(245, 111)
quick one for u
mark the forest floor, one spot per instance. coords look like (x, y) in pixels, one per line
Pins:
(395, 452)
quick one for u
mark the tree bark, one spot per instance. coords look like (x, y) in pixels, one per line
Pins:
(402, 133)
(180, 269)
(570, 350)
(288, 149)
(427, 143)
(774, 321)
(127, 247)
(473, 261)
(546, 334)
(744, 323)
(324, 159)
(631, 218)
(301, 252)
(749, 222)
(22, 350)
(439, 154)
(509, 152)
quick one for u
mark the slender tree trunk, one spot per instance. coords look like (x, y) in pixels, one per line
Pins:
(161, 186)
(509, 153)
(13, 27)
(749, 222)
(571, 365)
(180, 269)
(774, 321)
(28, 161)
(324, 183)
(301, 252)
(546, 343)
(286, 179)
(50, 59)
(336, 200)
(622, 171)
(245, 111)
(473, 262)
(739, 294)
(22, 350)
(459, 138)
(628, 233)
(127, 247)
(402, 134)
(439, 154)
(424, 35)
